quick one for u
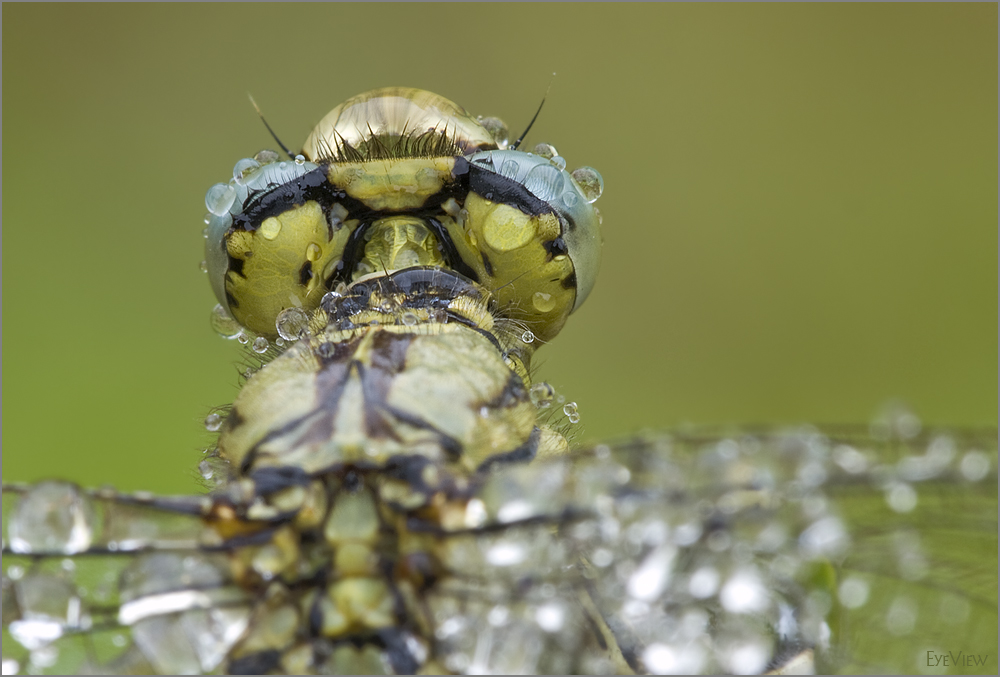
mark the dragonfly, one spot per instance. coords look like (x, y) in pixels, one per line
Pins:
(394, 491)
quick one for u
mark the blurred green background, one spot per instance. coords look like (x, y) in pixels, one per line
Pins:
(800, 209)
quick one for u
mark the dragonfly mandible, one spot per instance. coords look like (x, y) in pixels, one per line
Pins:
(394, 492)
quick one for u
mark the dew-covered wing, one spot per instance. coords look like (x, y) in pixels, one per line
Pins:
(98, 583)
(710, 552)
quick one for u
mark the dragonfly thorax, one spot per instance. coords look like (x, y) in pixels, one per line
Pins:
(375, 377)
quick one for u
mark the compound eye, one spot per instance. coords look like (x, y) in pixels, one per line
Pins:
(261, 261)
(536, 232)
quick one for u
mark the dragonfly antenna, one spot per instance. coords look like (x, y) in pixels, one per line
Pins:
(271, 131)
(517, 143)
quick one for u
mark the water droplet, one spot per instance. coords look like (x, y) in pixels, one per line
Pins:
(220, 198)
(571, 413)
(602, 557)
(850, 459)
(506, 553)
(570, 198)
(498, 616)
(528, 336)
(207, 220)
(824, 538)
(223, 323)
(243, 169)
(974, 466)
(663, 659)
(901, 497)
(203, 266)
(330, 300)
(545, 150)
(515, 510)
(279, 341)
(550, 617)
(205, 469)
(242, 338)
(336, 216)
(543, 302)
(410, 319)
(590, 182)
(270, 228)
(265, 156)
(545, 182)
(213, 422)
(260, 345)
(744, 593)
(853, 592)
(51, 517)
(704, 582)
(300, 159)
(497, 129)
(542, 395)
(292, 323)
(313, 251)
(748, 658)
(652, 576)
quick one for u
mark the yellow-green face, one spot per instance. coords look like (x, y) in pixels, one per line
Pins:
(400, 177)
(800, 205)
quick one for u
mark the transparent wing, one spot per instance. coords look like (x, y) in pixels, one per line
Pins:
(96, 582)
(715, 552)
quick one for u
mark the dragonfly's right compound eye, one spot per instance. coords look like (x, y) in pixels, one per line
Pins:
(262, 263)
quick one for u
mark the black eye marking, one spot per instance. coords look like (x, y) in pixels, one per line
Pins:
(306, 273)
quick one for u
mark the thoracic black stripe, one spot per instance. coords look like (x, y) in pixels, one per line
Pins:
(388, 359)
(476, 328)
(523, 453)
(260, 663)
(271, 479)
(451, 447)
(330, 383)
(512, 394)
